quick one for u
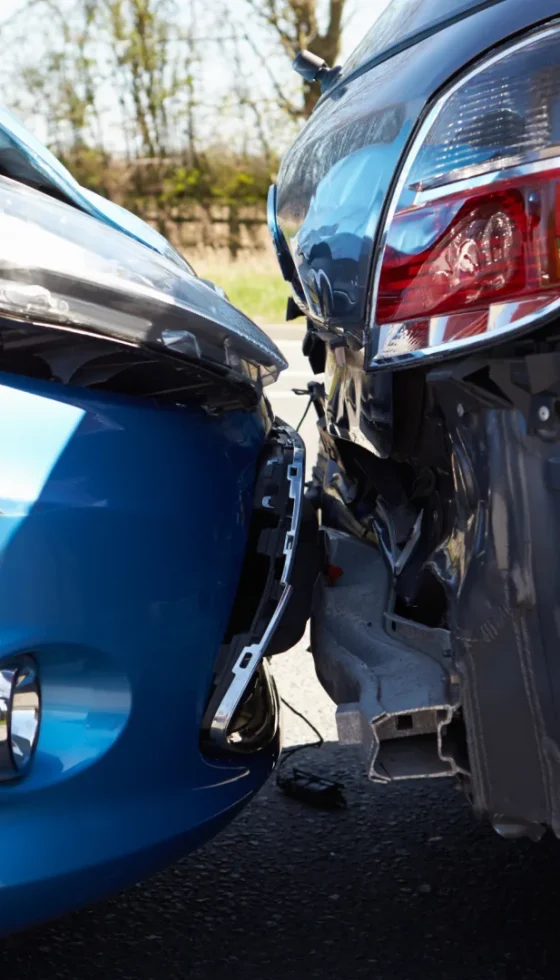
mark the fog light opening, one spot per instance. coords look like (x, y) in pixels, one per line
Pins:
(255, 722)
(20, 716)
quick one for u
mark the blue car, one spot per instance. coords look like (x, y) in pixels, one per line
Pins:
(151, 513)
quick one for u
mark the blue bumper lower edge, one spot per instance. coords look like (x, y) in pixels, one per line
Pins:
(99, 850)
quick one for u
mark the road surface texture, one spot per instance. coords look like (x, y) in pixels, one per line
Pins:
(402, 885)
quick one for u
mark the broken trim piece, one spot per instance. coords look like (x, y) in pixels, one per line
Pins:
(235, 679)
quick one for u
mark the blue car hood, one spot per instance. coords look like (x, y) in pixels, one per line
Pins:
(58, 266)
(24, 158)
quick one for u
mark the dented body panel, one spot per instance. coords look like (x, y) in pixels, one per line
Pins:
(334, 181)
(436, 626)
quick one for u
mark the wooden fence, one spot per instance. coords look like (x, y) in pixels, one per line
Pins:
(220, 227)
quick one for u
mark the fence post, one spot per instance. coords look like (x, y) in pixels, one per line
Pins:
(234, 231)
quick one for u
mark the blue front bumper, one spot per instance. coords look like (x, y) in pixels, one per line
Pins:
(123, 528)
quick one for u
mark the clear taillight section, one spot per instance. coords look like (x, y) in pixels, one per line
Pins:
(471, 247)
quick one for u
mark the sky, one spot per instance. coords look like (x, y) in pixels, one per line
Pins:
(215, 83)
(362, 14)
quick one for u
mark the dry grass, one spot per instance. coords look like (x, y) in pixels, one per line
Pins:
(253, 282)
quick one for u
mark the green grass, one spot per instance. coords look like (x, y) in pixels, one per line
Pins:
(253, 283)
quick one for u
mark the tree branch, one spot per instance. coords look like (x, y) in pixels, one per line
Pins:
(296, 25)
(294, 111)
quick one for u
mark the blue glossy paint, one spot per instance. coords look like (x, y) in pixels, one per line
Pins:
(122, 536)
(28, 161)
(21, 485)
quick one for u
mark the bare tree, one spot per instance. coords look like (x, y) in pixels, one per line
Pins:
(142, 38)
(297, 24)
(171, 107)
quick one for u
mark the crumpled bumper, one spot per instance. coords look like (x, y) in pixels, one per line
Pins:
(273, 601)
(123, 530)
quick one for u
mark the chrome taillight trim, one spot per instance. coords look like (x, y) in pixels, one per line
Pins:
(253, 654)
(508, 171)
(441, 352)
(451, 348)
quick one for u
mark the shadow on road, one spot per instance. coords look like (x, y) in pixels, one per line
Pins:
(402, 884)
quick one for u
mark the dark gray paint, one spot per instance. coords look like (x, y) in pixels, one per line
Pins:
(335, 180)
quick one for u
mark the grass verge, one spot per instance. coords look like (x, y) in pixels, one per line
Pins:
(253, 282)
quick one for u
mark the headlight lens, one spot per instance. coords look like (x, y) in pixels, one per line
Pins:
(470, 247)
(64, 268)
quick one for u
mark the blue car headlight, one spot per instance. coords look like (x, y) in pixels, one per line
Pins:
(67, 270)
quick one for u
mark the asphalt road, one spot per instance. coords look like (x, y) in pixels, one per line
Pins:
(402, 884)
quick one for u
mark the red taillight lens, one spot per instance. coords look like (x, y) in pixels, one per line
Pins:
(484, 247)
(479, 250)
(472, 245)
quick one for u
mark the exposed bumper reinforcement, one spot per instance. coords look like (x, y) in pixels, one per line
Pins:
(399, 702)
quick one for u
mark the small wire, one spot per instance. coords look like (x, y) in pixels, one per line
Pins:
(308, 787)
(307, 407)
(308, 745)
(300, 714)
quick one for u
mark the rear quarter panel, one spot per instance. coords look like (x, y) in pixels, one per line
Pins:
(334, 181)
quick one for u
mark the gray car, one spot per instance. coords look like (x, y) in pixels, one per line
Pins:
(417, 218)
